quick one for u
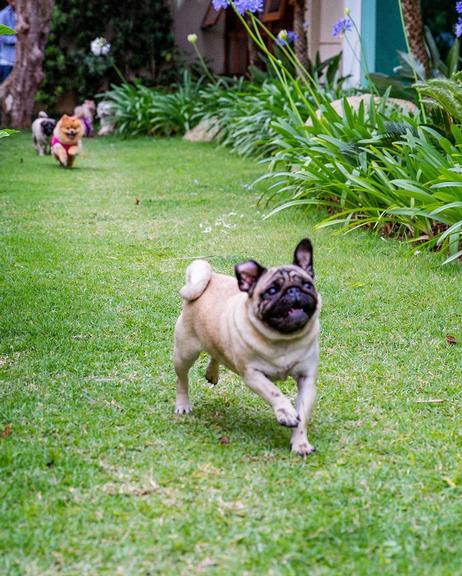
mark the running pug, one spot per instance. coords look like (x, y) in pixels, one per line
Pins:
(42, 130)
(263, 327)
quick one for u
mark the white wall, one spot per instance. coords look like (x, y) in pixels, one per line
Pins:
(351, 46)
(322, 15)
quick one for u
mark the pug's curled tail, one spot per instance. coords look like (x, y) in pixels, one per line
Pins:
(198, 275)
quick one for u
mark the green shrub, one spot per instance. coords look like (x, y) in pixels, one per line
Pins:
(141, 46)
(245, 116)
(141, 110)
(442, 98)
(243, 111)
(395, 176)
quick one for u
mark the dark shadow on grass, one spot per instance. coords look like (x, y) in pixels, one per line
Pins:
(240, 425)
(79, 169)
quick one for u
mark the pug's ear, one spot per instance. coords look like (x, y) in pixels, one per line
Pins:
(247, 274)
(303, 256)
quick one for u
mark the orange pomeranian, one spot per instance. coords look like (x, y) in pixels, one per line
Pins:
(66, 141)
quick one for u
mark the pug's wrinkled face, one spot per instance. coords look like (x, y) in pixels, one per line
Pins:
(48, 127)
(284, 298)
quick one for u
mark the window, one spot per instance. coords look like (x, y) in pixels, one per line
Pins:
(274, 10)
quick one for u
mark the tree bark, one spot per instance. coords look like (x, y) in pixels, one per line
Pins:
(413, 24)
(301, 43)
(17, 93)
(251, 48)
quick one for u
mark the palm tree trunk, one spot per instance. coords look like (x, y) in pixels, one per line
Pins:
(251, 48)
(413, 24)
(17, 93)
(300, 44)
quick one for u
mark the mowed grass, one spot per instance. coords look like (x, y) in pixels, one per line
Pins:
(99, 477)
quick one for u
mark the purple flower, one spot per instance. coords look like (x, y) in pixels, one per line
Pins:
(240, 5)
(248, 6)
(285, 37)
(341, 26)
(458, 29)
(459, 7)
(219, 4)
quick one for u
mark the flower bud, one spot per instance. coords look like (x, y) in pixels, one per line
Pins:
(192, 38)
(347, 11)
(282, 35)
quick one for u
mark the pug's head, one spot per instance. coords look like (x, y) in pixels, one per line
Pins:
(48, 125)
(283, 298)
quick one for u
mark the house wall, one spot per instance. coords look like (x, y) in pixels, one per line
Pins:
(378, 20)
(322, 15)
(351, 46)
(381, 35)
(187, 19)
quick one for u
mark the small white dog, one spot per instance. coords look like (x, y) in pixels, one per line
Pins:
(42, 130)
(105, 113)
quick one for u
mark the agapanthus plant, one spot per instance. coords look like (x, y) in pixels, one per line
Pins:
(100, 46)
(192, 39)
(241, 6)
(341, 26)
(286, 36)
(458, 27)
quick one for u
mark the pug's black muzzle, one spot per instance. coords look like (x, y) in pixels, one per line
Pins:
(292, 310)
(48, 127)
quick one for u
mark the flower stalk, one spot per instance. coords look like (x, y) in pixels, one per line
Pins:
(192, 39)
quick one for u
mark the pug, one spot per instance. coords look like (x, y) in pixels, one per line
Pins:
(42, 130)
(264, 327)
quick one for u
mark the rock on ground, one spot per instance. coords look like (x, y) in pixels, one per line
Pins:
(205, 131)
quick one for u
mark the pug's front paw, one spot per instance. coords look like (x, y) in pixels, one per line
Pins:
(287, 416)
(303, 448)
(182, 406)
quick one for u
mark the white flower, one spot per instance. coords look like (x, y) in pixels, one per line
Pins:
(100, 46)
(192, 38)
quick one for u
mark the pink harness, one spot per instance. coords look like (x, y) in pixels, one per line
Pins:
(55, 140)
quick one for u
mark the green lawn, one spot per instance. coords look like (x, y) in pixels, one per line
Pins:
(99, 477)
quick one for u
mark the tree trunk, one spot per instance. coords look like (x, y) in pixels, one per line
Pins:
(251, 48)
(413, 23)
(253, 54)
(300, 44)
(17, 93)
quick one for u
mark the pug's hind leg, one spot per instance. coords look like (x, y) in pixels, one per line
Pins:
(187, 349)
(213, 371)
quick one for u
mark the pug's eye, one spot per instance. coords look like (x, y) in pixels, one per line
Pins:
(271, 291)
(307, 285)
